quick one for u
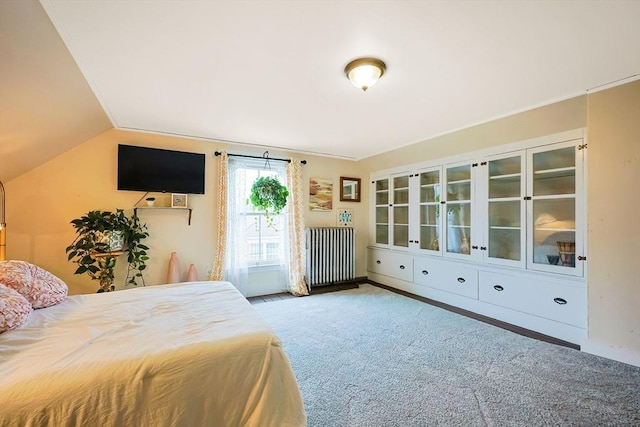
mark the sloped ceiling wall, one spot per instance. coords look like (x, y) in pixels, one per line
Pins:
(46, 105)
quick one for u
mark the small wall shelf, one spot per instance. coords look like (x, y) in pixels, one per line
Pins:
(135, 210)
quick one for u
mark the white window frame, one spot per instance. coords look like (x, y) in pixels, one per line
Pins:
(264, 264)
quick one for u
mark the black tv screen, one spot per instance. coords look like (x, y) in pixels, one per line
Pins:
(153, 169)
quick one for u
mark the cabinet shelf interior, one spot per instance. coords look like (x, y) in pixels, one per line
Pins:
(554, 230)
(505, 199)
(459, 181)
(556, 173)
(559, 196)
(513, 177)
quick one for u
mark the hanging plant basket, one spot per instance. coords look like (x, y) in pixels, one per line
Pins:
(268, 196)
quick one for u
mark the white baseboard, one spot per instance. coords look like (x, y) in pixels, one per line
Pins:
(615, 353)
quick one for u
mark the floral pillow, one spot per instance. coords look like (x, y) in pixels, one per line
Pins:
(14, 309)
(37, 285)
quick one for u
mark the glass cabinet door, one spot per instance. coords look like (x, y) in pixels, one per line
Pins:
(401, 211)
(458, 210)
(554, 178)
(505, 211)
(429, 206)
(381, 194)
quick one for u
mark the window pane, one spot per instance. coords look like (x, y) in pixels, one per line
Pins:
(261, 238)
(254, 251)
(263, 241)
(273, 250)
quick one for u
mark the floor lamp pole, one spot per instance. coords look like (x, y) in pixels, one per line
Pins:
(3, 241)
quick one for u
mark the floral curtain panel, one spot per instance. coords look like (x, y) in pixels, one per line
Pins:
(217, 273)
(297, 260)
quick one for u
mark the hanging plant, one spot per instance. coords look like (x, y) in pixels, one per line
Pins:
(268, 196)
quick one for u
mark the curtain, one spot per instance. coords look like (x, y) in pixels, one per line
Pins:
(241, 267)
(236, 269)
(232, 254)
(297, 259)
(217, 272)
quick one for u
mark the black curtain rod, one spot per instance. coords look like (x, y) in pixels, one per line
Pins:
(217, 153)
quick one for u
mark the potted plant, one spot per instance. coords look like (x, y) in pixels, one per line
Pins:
(101, 237)
(268, 196)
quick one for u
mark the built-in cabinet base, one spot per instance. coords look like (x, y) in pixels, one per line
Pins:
(546, 304)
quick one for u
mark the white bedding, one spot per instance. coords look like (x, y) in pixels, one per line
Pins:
(190, 354)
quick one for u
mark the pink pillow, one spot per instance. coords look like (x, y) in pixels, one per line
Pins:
(14, 309)
(38, 286)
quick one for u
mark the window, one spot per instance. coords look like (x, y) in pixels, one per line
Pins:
(262, 244)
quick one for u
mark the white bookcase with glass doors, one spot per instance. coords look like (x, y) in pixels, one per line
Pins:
(513, 215)
(518, 209)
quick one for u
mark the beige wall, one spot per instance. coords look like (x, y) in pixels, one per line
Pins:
(613, 237)
(554, 118)
(42, 202)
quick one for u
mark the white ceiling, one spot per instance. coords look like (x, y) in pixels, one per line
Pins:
(271, 72)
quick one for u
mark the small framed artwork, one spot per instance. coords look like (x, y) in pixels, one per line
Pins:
(345, 217)
(178, 200)
(320, 194)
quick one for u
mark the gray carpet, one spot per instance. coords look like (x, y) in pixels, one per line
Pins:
(370, 357)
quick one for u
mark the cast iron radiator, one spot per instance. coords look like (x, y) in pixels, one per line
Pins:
(331, 253)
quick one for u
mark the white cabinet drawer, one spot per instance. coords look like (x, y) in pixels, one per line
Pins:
(551, 300)
(391, 264)
(446, 276)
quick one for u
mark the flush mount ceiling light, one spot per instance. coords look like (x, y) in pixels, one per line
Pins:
(364, 72)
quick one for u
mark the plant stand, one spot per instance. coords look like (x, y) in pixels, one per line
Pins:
(106, 262)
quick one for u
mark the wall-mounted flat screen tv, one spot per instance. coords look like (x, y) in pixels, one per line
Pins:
(156, 170)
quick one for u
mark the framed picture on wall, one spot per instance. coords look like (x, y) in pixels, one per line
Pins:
(345, 217)
(178, 200)
(349, 189)
(320, 194)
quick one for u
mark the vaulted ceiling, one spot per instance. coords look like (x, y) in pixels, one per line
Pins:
(271, 72)
(46, 105)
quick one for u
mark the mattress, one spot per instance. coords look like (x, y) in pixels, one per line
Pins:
(190, 354)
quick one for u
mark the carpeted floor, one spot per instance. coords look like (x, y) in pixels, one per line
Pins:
(370, 357)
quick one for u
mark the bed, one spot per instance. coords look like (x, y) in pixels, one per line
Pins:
(190, 354)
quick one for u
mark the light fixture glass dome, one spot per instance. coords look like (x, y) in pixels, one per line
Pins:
(365, 72)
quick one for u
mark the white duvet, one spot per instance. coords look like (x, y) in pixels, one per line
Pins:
(191, 354)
